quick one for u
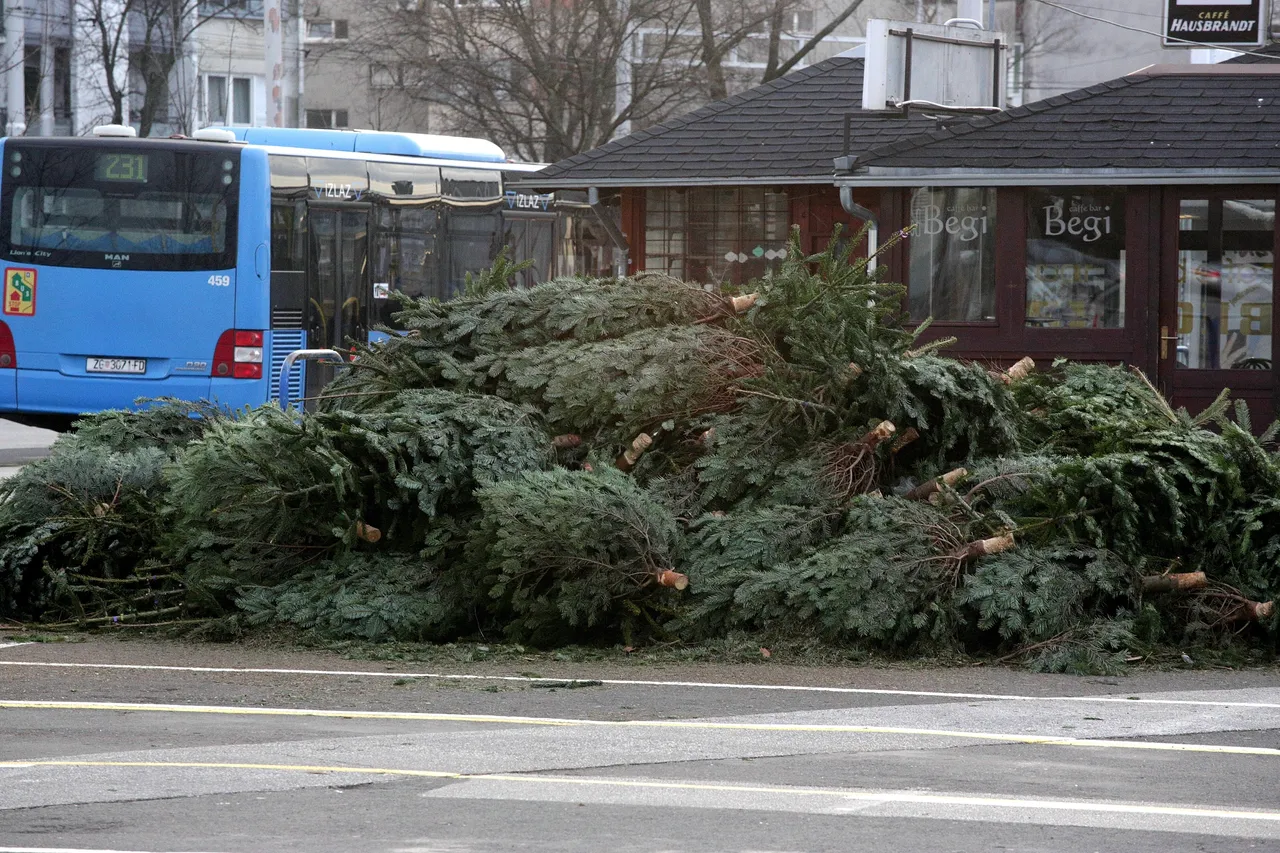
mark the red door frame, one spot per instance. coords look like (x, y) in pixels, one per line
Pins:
(1195, 389)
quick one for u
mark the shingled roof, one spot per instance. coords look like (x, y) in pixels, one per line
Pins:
(1160, 124)
(789, 130)
(1269, 53)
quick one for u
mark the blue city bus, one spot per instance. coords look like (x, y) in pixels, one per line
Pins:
(190, 268)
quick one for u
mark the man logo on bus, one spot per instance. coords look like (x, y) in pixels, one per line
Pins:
(20, 292)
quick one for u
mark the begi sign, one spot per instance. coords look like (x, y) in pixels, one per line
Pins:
(1228, 23)
(1085, 219)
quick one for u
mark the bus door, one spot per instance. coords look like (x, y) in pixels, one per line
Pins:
(531, 237)
(337, 287)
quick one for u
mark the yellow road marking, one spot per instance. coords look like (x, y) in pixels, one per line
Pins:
(703, 725)
(232, 765)
(290, 712)
(837, 793)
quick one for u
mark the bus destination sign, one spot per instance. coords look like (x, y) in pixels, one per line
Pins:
(1215, 23)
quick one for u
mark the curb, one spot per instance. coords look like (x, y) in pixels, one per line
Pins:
(22, 455)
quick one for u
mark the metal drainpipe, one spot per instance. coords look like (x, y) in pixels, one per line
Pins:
(866, 215)
(615, 234)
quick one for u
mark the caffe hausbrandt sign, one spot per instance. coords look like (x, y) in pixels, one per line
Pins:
(1232, 23)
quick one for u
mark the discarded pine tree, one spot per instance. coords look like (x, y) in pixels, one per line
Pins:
(608, 459)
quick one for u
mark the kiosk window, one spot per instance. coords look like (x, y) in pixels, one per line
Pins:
(1075, 259)
(952, 254)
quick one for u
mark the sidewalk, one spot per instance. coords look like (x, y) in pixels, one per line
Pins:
(22, 444)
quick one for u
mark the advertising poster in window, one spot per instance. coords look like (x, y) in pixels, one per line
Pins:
(1075, 259)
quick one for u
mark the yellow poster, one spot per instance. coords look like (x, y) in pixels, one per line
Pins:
(19, 292)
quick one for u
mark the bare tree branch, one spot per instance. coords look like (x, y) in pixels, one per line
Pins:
(805, 49)
(541, 77)
(151, 34)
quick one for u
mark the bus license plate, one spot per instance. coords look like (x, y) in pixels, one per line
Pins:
(116, 365)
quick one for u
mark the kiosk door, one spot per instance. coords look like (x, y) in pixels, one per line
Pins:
(1217, 298)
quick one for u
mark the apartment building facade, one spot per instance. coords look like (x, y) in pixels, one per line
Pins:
(163, 66)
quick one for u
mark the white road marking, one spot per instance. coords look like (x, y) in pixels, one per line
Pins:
(871, 691)
(11, 645)
(706, 725)
(889, 796)
(900, 805)
(871, 797)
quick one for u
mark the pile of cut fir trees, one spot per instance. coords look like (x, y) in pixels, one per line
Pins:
(641, 459)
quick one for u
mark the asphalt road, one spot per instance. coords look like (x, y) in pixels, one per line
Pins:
(134, 746)
(21, 444)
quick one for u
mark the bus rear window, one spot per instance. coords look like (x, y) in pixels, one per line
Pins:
(60, 208)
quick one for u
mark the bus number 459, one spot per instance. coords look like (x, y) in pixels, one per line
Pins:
(220, 280)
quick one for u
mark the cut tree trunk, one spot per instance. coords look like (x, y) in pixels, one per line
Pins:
(672, 579)
(628, 458)
(1174, 582)
(1253, 611)
(931, 487)
(1020, 370)
(566, 441)
(906, 437)
(984, 547)
(882, 431)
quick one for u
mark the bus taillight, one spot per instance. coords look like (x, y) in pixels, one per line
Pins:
(8, 353)
(238, 355)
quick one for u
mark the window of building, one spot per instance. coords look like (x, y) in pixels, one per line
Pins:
(952, 254)
(656, 45)
(62, 82)
(231, 8)
(753, 51)
(327, 118)
(1226, 255)
(61, 79)
(327, 30)
(1016, 76)
(1075, 258)
(715, 234)
(385, 76)
(802, 21)
(228, 100)
(31, 81)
